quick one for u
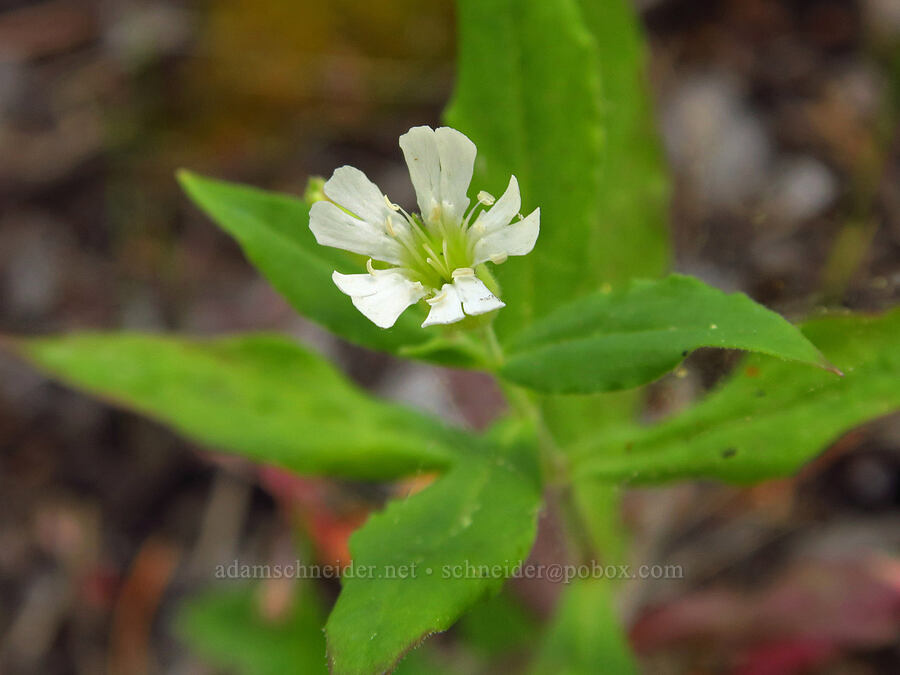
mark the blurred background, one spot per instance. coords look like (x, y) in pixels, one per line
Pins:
(780, 121)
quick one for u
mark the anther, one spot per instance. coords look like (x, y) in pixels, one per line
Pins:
(486, 198)
(463, 272)
(498, 258)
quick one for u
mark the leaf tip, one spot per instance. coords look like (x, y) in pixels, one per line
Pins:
(827, 365)
(185, 177)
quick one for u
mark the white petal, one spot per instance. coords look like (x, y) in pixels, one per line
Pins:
(349, 187)
(421, 153)
(457, 154)
(333, 227)
(381, 297)
(515, 239)
(445, 307)
(355, 285)
(503, 210)
(475, 296)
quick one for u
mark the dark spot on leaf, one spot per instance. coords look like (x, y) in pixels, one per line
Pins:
(684, 353)
(752, 371)
(760, 393)
(629, 446)
(728, 453)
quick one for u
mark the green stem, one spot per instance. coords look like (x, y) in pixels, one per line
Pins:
(492, 346)
(553, 462)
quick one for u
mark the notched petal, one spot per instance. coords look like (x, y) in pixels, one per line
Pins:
(423, 160)
(476, 297)
(516, 239)
(355, 285)
(333, 227)
(446, 307)
(502, 212)
(381, 297)
(457, 157)
(350, 188)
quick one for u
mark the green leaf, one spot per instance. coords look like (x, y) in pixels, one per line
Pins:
(482, 513)
(571, 417)
(273, 230)
(584, 149)
(594, 166)
(769, 418)
(263, 397)
(544, 100)
(585, 636)
(622, 338)
(630, 237)
(498, 626)
(226, 627)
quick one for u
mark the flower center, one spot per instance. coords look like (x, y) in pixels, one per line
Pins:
(432, 251)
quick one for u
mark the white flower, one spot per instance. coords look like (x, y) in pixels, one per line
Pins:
(434, 254)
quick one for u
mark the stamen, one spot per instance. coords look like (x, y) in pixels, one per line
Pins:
(429, 250)
(371, 267)
(389, 226)
(391, 205)
(437, 267)
(435, 261)
(498, 258)
(486, 198)
(475, 206)
(413, 251)
(414, 225)
(438, 297)
(463, 272)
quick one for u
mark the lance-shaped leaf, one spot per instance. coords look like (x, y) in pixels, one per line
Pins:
(264, 397)
(273, 230)
(427, 559)
(554, 92)
(622, 338)
(630, 235)
(768, 418)
(230, 628)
